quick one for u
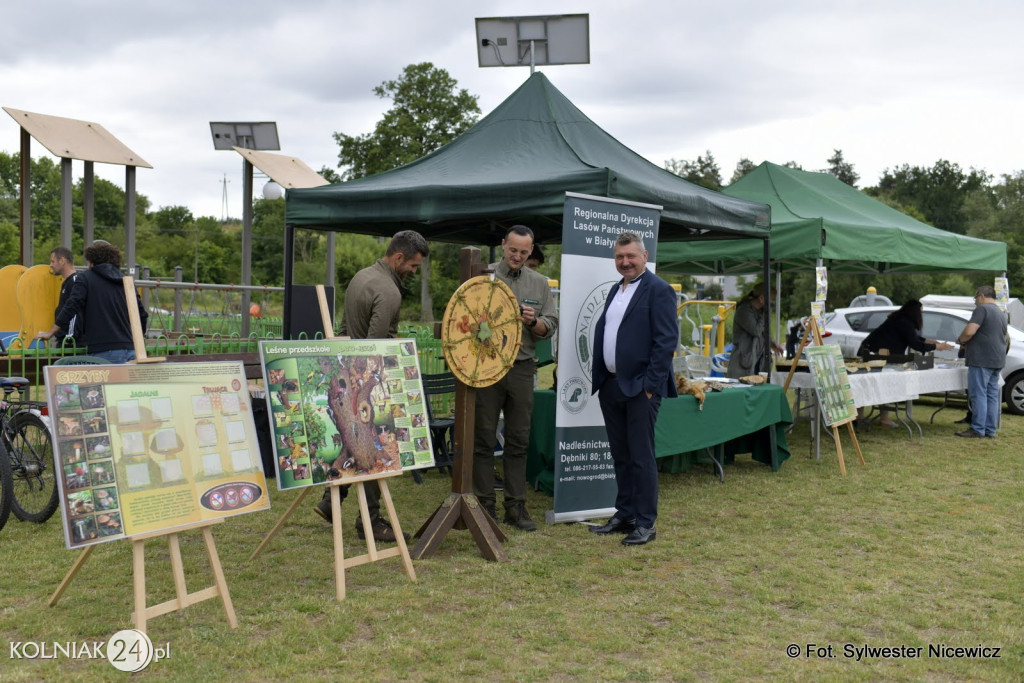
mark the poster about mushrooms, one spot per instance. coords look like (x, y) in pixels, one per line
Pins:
(348, 409)
(148, 448)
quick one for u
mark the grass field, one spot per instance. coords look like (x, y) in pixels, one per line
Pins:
(922, 546)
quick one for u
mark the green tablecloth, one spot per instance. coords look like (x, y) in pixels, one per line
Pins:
(739, 418)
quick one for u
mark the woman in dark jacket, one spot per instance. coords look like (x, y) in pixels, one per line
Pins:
(900, 331)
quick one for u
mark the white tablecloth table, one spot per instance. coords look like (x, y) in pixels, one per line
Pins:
(888, 387)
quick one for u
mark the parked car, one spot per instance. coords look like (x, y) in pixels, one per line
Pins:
(849, 327)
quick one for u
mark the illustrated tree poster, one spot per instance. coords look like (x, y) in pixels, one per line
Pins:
(144, 448)
(345, 409)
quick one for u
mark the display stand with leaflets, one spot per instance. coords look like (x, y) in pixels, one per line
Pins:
(150, 451)
(341, 563)
(832, 386)
(481, 334)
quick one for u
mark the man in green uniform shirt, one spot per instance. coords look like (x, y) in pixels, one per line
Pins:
(373, 301)
(513, 393)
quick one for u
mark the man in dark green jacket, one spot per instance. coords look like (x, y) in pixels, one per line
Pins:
(513, 393)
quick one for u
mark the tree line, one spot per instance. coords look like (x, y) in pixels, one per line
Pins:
(427, 111)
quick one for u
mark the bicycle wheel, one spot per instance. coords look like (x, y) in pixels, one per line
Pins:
(34, 483)
(5, 485)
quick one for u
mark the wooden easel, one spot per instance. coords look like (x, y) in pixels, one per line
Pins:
(462, 509)
(183, 599)
(813, 330)
(372, 554)
(138, 336)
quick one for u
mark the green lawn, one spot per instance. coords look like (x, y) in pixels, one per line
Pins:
(922, 546)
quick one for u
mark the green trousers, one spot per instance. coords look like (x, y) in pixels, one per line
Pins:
(512, 394)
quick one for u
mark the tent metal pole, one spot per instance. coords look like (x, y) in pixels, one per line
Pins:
(779, 337)
(289, 258)
(766, 274)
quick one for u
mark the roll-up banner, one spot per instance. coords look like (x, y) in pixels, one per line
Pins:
(584, 474)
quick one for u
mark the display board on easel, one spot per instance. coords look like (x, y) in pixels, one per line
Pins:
(147, 448)
(831, 383)
(372, 393)
(345, 409)
(837, 395)
(148, 451)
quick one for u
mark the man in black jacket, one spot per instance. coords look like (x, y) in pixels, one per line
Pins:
(62, 264)
(98, 296)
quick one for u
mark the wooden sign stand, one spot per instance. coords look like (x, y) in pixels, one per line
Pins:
(813, 330)
(372, 554)
(142, 612)
(462, 509)
(138, 336)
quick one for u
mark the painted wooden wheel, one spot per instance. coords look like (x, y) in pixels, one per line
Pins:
(481, 331)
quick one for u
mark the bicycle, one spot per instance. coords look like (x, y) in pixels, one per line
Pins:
(5, 486)
(26, 439)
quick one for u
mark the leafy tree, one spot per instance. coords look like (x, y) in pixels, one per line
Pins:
(428, 111)
(109, 205)
(996, 213)
(268, 247)
(268, 242)
(45, 188)
(10, 245)
(704, 171)
(938, 192)
(712, 292)
(842, 169)
(743, 167)
(330, 175)
(172, 220)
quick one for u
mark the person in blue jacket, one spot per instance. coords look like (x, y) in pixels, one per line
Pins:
(634, 340)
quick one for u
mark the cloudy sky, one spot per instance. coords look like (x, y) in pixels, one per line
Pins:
(888, 82)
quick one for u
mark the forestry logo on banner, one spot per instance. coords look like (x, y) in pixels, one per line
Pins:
(573, 394)
(589, 313)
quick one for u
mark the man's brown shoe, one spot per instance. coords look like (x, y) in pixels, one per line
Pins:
(382, 531)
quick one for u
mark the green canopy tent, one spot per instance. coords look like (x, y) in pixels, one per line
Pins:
(816, 216)
(515, 166)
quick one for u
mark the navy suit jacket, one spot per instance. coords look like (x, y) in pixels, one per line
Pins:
(648, 336)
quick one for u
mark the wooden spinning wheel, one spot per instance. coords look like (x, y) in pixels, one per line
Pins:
(481, 331)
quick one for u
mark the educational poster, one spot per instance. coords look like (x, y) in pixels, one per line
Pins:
(143, 448)
(832, 383)
(345, 409)
(1002, 287)
(820, 283)
(820, 294)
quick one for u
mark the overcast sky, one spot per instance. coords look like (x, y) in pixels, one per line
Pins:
(887, 82)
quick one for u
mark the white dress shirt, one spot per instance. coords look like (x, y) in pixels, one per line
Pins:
(613, 319)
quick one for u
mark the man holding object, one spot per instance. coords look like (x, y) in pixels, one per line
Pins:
(633, 345)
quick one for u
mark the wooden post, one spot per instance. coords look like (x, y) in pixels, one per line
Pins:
(138, 336)
(462, 509)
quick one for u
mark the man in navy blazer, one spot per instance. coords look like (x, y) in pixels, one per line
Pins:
(633, 346)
